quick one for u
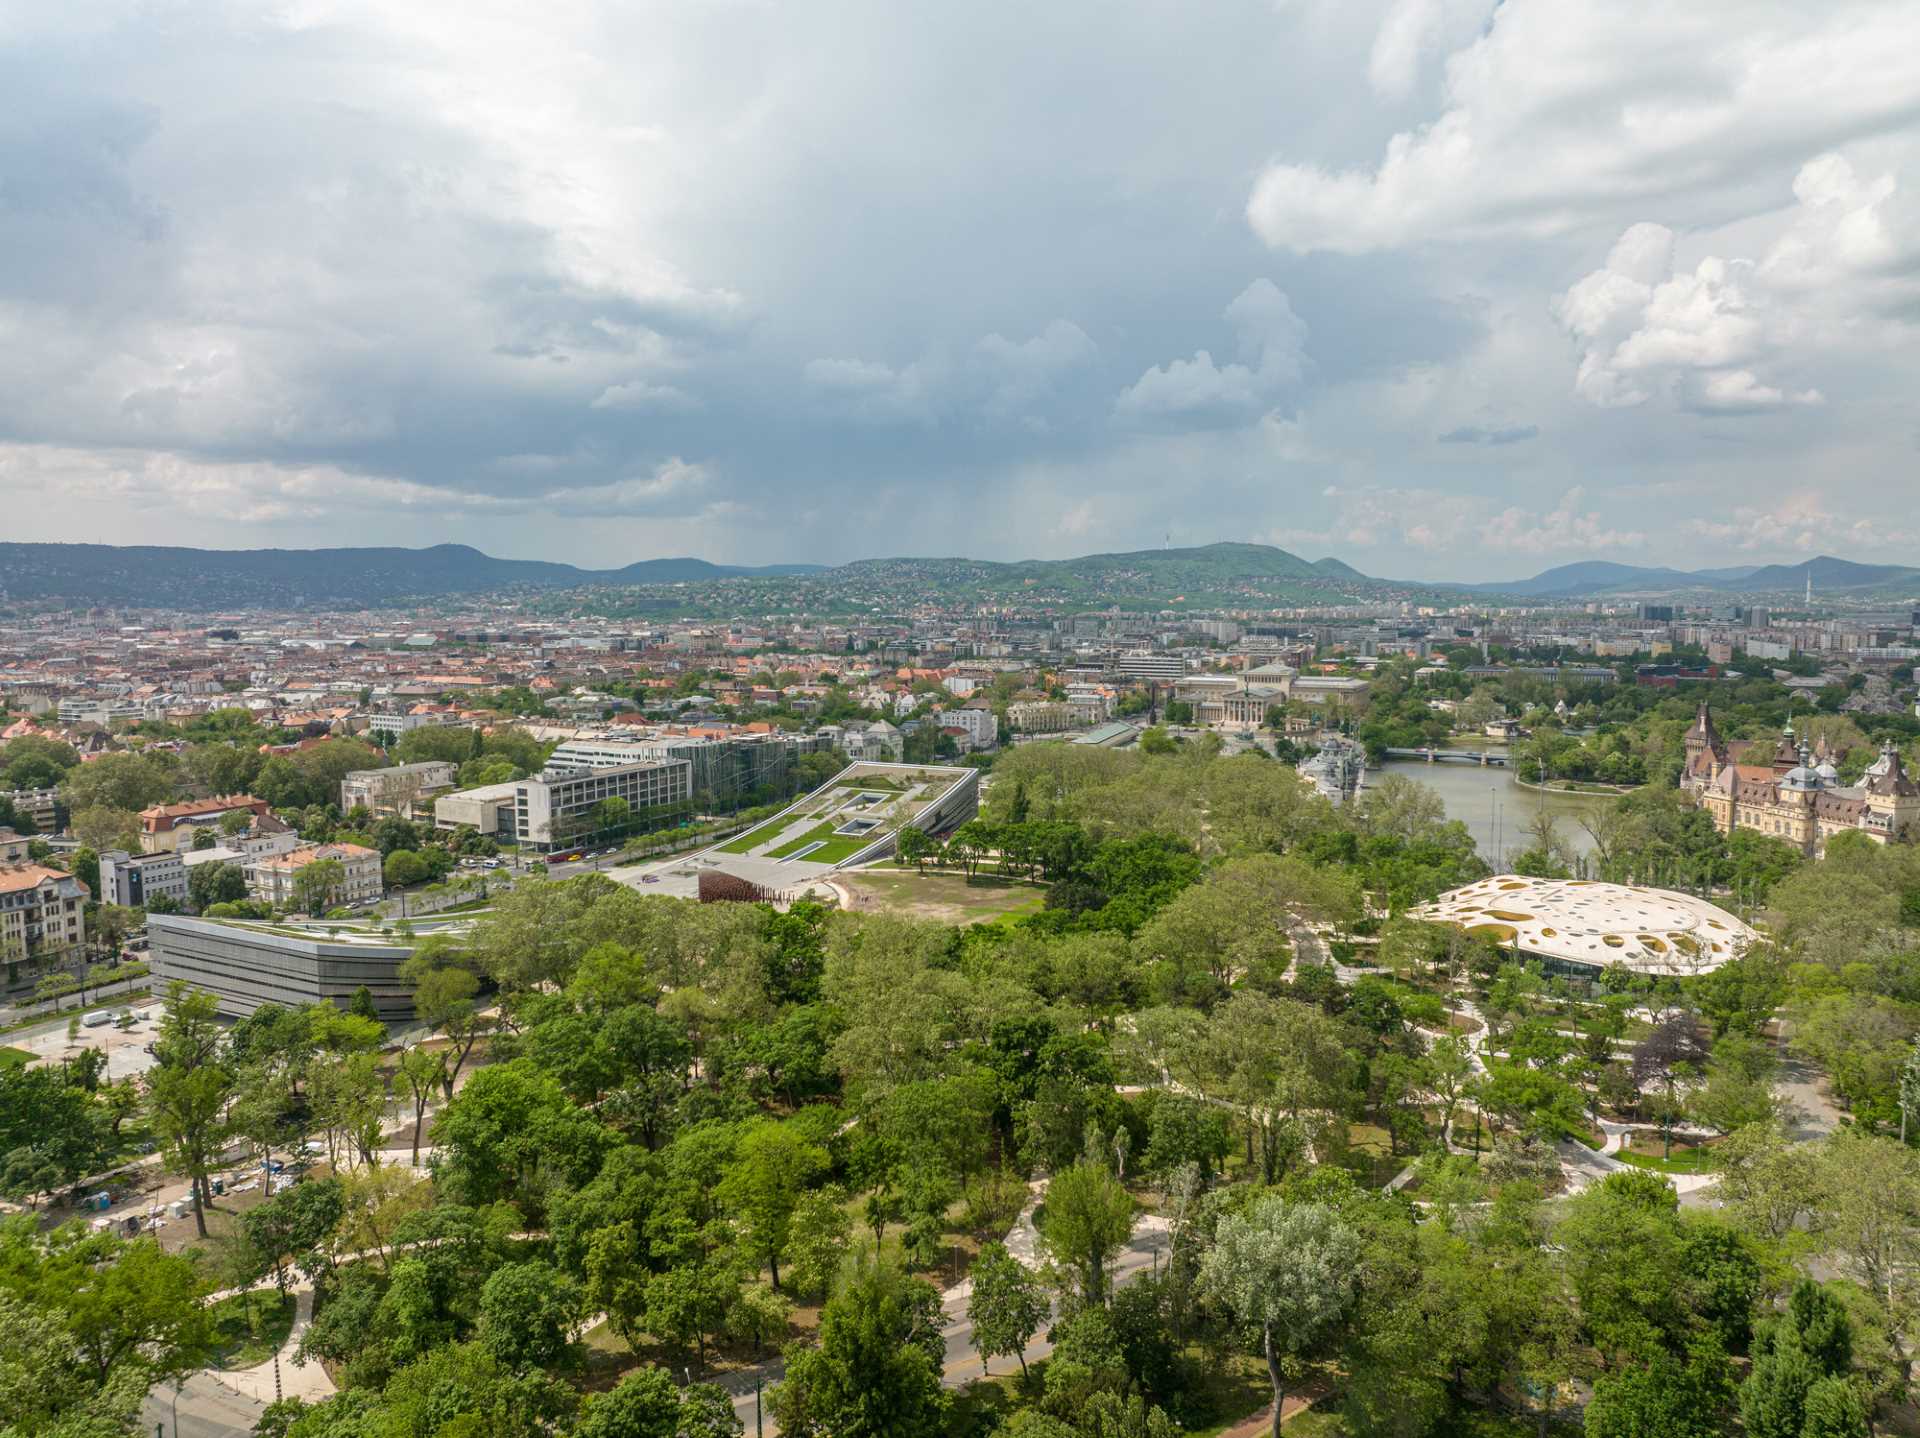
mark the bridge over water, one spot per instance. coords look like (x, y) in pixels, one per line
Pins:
(1484, 758)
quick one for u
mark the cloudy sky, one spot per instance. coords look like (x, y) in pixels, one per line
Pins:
(1448, 288)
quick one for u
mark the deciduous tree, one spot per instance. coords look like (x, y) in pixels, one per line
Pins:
(1288, 1270)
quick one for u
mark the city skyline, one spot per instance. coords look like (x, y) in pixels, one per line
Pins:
(1410, 284)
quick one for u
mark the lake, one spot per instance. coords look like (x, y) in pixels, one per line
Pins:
(1494, 808)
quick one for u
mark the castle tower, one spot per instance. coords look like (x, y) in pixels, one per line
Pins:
(1893, 799)
(1787, 753)
(1704, 750)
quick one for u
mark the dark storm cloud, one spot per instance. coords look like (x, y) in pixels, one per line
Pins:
(763, 281)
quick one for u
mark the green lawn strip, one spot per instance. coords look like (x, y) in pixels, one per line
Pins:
(249, 1328)
(1684, 1160)
(759, 834)
(10, 1055)
(814, 835)
(834, 850)
(993, 914)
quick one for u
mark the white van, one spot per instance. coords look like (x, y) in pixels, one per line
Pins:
(98, 1017)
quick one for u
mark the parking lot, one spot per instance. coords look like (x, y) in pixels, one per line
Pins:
(125, 1048)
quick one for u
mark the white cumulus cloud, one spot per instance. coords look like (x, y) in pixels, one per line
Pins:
(1563, 111)
(1711, 337)
(1271, 342)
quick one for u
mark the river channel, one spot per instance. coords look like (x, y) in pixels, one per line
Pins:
(1494, 808)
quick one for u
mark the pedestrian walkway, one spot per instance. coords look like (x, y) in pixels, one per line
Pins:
(282, 1376)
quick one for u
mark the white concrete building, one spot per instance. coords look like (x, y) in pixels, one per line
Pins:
(135, 879)
(555, 810)
(982, 725)
(403, 790)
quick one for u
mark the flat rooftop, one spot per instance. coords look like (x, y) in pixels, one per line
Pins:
(1594, 925)
(322, 931)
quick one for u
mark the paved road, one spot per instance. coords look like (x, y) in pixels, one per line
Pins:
(68, 1008)
(205, 1409)
(1803, 1087)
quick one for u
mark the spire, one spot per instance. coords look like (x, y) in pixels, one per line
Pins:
(1703, 733)
(1892, 778)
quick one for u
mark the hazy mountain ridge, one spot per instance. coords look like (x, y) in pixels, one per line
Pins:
(1599, 576)
(1226, 575)
(239, 578)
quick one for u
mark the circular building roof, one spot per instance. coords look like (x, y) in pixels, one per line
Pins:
(1595, 925)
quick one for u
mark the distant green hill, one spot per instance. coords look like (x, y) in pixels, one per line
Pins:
(1832, 575)
(158, 576)
(1600, 576)
(1219, 574)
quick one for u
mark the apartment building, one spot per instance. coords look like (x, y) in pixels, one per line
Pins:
(981, 725)
(1164, 667)
(272, 879)
(135, 879)
(1040, 716)
(43, 922)
(400, 790)
(40, 806)
(393, 726)
(101, 711)
(168, 828)
(1092, 703)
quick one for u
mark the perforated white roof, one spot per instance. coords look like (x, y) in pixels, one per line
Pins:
(1581, 921)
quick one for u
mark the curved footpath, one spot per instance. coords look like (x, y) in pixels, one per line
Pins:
(1142, 1252)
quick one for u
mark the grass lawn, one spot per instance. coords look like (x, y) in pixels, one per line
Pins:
(1372, 1145)
(9, 1055)
(837, 849)
(759, 834)
(1689, 1155)
(946, 898)
(793, 846)
(250, 1327)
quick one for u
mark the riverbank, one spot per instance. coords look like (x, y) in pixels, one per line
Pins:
(1584, 787)
(1497, 807)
